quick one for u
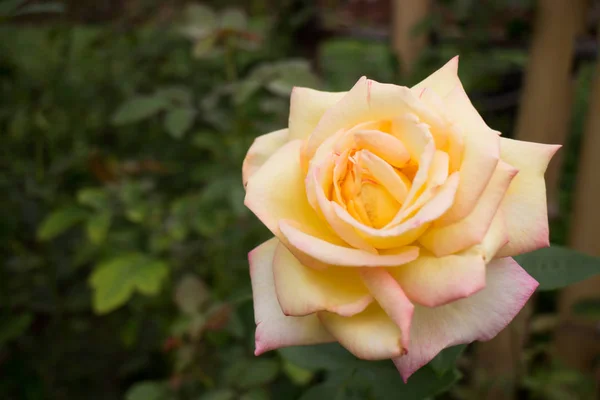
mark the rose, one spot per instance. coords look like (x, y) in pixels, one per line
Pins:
(395, 212)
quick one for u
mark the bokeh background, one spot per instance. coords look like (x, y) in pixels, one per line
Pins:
(123, 235)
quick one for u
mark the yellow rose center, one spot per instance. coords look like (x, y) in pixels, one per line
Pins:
(365, 157)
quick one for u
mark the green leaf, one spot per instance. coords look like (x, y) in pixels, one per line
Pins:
(329, 356)
(219, 394)
(256, 394)
(589, 308)
(97, 227)
(179, 95)
(257, 373)
(423, 384)
(14, 327)
(446, 359)
(201, 15)
(556, 267)
(178, 121)
(147, 391)
(44, 8)
(298, 375)
(138, 108)
(59, 221)
(95, 198)
(234, 19)
(116, 280)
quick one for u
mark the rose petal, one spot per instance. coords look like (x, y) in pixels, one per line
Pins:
(391, 298)
(385, 174)
(273, 328)
(441, 81)
(384, 145)
(434, 281)
(495, 238)
(303, 291)
(471, 230)
(344, 256)
(276, 191)
(370, 335)
(524, 206)
(262, 148)
(307, 106)
(343, 229)
(481, 153)
(409, 230)
(478, 317)
(368, 100)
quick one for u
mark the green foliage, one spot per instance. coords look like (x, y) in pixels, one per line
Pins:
(556, 267)
(124, 237)
(116, 280)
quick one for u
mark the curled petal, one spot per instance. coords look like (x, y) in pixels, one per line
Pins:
(434, 281)
(385, 174)
(307, 106)
(471, 230)
(263, 147)
(344, 256)
(384, 145)
(525, 206)
(478, 317)
(357, 333)
(303, 291)
(273, 328)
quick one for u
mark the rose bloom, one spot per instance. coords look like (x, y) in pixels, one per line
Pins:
(395, 213)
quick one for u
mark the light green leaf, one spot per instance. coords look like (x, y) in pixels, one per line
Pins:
(116, 280)
(446, 359)
(138, 108)
(201, 15)
(258, 372)
(300, 376)
(556, 267)
(97, 227)
(204, 45)
(59, 221)
(234, 19)
(147, 391)
(178, 121)
(93, 197)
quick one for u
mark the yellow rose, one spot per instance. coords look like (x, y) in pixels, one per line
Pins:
(395, 212)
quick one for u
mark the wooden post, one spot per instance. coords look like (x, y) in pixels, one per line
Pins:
(406, 15)
(546, 100)
(544, 116)
(577, 341)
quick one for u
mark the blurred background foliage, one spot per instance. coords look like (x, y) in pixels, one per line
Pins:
(124, 236)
